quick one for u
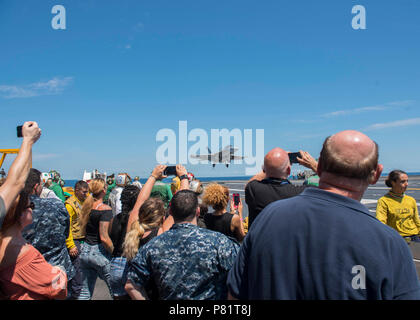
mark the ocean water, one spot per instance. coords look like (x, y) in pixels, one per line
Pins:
(71, 183)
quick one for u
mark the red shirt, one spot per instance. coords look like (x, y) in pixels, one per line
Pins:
(33, 278)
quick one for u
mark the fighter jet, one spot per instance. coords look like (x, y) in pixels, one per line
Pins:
(226, 155)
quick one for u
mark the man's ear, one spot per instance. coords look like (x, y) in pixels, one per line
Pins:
(318, 168)
(288, 170)
(197, 211)
(375, 175)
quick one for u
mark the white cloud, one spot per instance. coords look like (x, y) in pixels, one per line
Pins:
(15, 92)
(139, 27)
(353, 111)
(394, 124)
(368, 109)
(50, 87)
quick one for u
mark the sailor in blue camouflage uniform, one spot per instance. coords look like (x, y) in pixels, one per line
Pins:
(186, 262)
(50, 226)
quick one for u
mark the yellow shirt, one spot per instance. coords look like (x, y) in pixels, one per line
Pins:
(400, 213)
(74, 207)
(245, 223)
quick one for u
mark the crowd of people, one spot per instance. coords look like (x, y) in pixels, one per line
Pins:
(161, 241)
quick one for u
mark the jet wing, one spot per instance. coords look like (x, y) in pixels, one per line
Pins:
(232, 157)
(213, 157)
(229, 157)
(201, 157)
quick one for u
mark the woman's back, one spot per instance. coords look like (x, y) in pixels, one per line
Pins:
(92, 227)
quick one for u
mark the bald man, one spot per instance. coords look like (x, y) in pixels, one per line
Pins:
(271, 184)
(323, 243)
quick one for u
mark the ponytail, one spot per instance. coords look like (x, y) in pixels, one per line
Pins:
(85, 213)
(151, 215)
(132, 240)
(393, 176)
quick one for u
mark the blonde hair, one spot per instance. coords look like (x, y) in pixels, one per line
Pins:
(216, 195)
(151, 216)
(96, 187)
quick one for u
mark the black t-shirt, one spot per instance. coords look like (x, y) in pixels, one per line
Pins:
(149, 237)
(201, 223)
(219, 223)
(259, 194)
(92, 227)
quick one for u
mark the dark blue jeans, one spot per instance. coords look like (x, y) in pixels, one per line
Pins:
(119, 272)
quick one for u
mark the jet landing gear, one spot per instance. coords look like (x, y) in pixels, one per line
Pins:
(226, 164)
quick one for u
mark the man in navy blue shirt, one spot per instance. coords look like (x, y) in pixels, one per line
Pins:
(323, 243)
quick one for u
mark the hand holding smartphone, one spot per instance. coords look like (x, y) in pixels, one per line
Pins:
(236, 199)
(19, 131)
(30, 129)
(170, 171)
(293, 157)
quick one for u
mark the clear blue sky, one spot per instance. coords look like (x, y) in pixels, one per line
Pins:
(122, 70)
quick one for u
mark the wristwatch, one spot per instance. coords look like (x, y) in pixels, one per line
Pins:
(184, 176)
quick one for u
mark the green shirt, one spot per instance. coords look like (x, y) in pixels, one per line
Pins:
(58, 191)
(313, 181)
(162, 191)
(109, 190)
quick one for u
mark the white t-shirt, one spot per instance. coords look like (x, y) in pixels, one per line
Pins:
(47, 193)
(114, 200)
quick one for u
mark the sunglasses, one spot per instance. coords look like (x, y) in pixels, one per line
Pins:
(31, 205)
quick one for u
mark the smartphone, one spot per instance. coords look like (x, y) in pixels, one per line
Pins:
(236, 199)
(170, 171)
(293, 157)
(19, 131)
